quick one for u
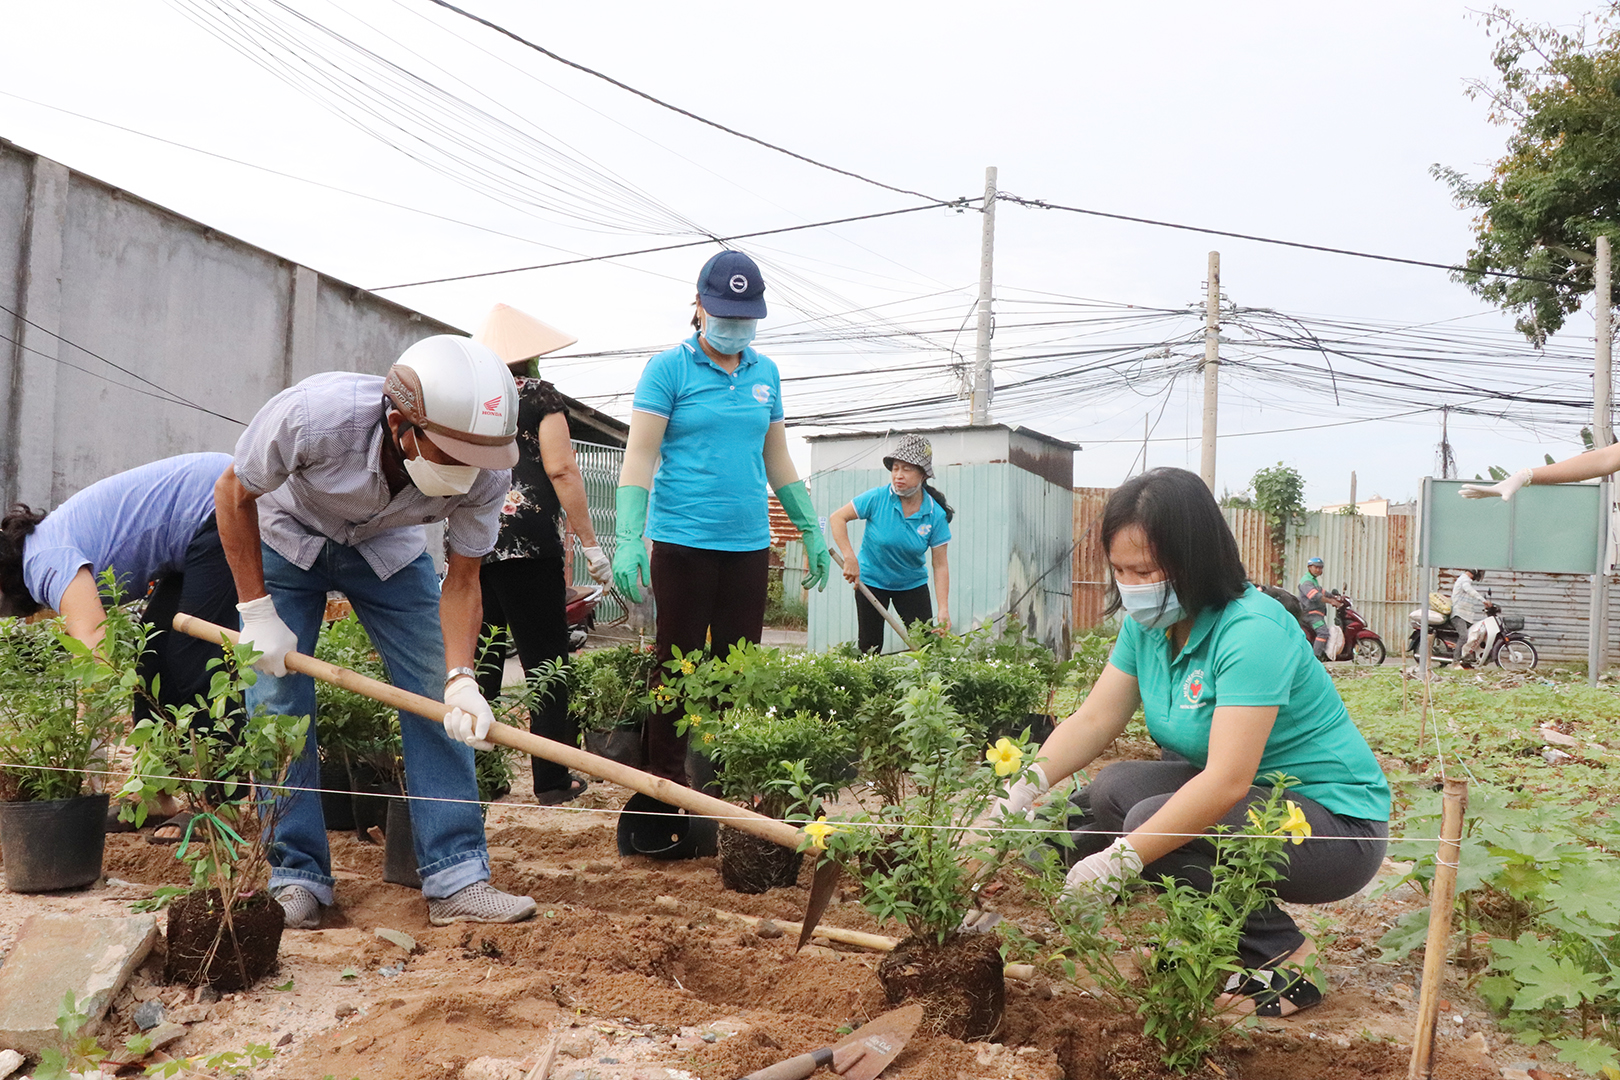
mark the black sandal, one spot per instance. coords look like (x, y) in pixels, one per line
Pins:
(576, 787)
(1269, 989)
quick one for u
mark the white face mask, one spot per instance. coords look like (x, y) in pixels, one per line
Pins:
(905, 492)
(1154, 605)
(438, 481)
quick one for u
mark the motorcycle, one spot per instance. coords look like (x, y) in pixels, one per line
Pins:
(1505, 643)
(1356, 641)
(581, 613)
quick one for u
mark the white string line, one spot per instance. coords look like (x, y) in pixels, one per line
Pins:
(837, 823)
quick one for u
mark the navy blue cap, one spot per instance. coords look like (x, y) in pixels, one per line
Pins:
(730, 286)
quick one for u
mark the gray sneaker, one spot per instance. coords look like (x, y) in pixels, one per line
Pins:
(479, 902)
(299, 908)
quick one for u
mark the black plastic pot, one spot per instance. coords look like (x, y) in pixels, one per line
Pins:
(652, 827)
(54, 844)
(620, 744)
(399, 851)
(372, 788)
(337, 795)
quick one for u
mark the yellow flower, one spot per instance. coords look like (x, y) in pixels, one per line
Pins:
(818, 831)
(1006, 757)
(1296, 827)
(687, 667)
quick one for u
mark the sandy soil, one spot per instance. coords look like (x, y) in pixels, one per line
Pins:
(631, 970)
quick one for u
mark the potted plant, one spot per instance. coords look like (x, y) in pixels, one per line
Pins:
(359, 737)
(607, 690)
(917, 853)
(781, 765)
(225, 930)
(62, 705)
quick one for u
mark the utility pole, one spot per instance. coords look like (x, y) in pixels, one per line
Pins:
(1602, 435)
(1352, 491)
(1212, 364)
(979, 413)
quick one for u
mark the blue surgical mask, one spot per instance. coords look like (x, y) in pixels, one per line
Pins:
(729, 336)
(1154, 605)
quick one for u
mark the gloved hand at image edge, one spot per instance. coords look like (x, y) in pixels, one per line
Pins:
(596, 561)
(1504, 489)
(262, 629)
(795, 499)
(470, 715)
(630, 562)
(1103, 875)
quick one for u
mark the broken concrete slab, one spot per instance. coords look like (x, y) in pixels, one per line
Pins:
(10, 1062)
(55, 954)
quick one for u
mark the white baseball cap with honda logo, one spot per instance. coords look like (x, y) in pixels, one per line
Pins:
(462, 396)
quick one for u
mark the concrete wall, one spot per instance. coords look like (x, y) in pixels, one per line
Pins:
(129, 333)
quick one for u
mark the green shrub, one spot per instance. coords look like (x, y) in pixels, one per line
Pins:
(607, 688)
(61, 703)
(764, 755)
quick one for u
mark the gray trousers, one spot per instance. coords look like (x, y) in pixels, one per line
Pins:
(1127, 793)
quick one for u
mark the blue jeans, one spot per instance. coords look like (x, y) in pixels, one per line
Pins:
(402, 617)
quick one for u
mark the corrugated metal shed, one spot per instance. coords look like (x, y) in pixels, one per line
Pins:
(1011, 538)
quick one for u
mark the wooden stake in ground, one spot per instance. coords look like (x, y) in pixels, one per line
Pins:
(1442, 895)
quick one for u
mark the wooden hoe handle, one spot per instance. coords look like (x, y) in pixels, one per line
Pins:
(696, 802)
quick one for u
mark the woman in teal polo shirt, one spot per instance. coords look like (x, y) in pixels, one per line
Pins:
(707, 418)
(907, 520)
(1228, 684)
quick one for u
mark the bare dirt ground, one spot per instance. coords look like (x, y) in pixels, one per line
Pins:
(630, 968)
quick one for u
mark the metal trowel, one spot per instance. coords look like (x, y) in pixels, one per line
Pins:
(860, 1055)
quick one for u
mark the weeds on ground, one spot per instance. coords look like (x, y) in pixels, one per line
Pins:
(1186, 949)
(1537, 909)
(77, 1053)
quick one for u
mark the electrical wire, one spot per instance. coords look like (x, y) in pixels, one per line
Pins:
(499, 29)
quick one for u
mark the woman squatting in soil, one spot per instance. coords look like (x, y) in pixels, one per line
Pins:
(708, 415)
(1231, 691)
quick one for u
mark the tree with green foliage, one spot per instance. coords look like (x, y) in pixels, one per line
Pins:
(1279, 493)
(1557, 189)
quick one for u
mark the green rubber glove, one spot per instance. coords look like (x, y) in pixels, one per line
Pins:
(795, 499)
(630, 563)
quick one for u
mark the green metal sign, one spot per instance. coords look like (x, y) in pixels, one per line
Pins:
(1552, 529)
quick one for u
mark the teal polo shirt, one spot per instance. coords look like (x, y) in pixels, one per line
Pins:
(893, 545)
(1251, 653)
(709, 491)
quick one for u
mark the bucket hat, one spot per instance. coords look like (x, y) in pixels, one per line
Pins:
(913, 450)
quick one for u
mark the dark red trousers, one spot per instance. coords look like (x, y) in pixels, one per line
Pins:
(702, 595)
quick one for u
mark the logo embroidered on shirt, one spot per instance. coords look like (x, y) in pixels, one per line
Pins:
(1192, 688)
(762, 393)
(492, 407)
(924, 529)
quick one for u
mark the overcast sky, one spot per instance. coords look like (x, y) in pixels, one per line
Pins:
(1313, 123)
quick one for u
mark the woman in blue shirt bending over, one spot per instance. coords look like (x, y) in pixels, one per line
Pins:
(1226, 681)
(906, 519)
(707, 419)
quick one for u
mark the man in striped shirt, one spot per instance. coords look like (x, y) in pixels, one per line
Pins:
(329, 489)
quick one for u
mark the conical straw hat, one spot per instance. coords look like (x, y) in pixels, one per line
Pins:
(517, 336)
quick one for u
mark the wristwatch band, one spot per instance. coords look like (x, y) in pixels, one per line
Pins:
(457, 672)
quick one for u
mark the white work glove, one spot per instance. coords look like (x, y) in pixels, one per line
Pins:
(1502, 488)
(1019, 798)
(263, 629)
(470, 715)
(1103, 875)
(600, 566)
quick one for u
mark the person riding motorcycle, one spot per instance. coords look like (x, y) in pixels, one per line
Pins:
(1467, 609)
(1313, 600)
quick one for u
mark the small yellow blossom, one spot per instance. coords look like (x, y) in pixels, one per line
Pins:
(818, 830)
(1006, 757)
(1296, 828)
(687, 667)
